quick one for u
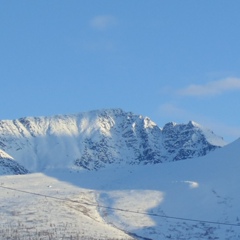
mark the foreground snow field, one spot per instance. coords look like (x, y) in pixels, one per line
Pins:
(191, 199)
(56, 211)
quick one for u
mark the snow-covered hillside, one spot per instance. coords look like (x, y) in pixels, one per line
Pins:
(96, 139)
(195, 199)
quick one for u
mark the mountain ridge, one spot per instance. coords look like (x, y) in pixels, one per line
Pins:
(95, 139)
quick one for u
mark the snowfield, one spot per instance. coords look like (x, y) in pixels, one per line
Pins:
(190, 199)
(57, 210)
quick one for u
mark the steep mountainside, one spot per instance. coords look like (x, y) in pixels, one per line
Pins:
(9, 166)
(94, 139)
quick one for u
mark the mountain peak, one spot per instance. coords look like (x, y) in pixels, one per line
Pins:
(194, 124)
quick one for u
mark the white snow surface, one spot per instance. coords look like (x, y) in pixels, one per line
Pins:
(190, 200)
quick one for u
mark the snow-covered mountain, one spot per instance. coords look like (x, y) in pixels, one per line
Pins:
(132, 198)
(95, 139)
(9, 166)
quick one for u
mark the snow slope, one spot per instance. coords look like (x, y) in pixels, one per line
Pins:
(56, 211)
(95, 139)
(205, 188)
(191, 199)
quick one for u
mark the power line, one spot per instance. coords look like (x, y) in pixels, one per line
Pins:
(120, 209)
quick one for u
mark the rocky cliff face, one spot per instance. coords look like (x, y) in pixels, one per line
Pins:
(183, 141)
(95, 139)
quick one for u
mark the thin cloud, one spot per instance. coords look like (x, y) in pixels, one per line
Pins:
(170, 112)
(103, 22)
(170, 109)
(211, 88)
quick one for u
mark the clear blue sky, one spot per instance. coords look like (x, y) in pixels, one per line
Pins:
(169, 60)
